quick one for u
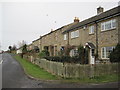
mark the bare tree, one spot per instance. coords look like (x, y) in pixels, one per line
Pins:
(14, 47)
(21, 44)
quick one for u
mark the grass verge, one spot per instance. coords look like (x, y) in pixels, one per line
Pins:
(36, 72)
(98, 79)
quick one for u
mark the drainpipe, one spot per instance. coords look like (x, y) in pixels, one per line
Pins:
(118, 23)
(40, 43)
(96, 24)
(68, 38)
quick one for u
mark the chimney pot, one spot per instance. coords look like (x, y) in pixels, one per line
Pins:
(76, 19)
(51, 30)
(100, 10)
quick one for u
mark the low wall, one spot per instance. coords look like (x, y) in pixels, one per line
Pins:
(68, 70)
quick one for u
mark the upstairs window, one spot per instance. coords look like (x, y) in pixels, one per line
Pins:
(75, 34)
(91, 29)
(65, 37)
(72, 34)
(108, 25)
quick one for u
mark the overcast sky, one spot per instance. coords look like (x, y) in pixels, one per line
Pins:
(28, 20)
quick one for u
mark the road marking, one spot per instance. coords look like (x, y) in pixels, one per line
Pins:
(1, 61)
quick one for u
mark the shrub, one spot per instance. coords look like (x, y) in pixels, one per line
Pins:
(75, 59)
(65, 58)
(53, 58)
(43, 53)
(59, 59)
(81, 54)
(67, 50)
(115, 54)
(24, 49)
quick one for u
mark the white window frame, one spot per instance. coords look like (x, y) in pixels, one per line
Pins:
(104, 25)
(72, 34)
(65, 36)
(91, 29)
(105, 52)
(73, 52)
(75, 34)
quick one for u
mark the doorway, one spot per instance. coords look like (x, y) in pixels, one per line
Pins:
(90, 53)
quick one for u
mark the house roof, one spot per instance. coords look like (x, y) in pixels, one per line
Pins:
(112, 12)
(71, 24)
(36, 40)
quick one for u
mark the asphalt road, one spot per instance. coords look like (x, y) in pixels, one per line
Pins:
(1, 71)
(13, 76)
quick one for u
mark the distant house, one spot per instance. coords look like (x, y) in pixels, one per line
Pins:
(19, 51)
(30, 47)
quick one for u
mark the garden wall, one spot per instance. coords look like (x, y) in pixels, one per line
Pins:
(70, 70)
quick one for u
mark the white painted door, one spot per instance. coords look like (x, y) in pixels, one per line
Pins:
(92, 57)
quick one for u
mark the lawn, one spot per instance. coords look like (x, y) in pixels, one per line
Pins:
(36, 72)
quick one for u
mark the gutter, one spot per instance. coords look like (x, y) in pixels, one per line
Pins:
(93, 22)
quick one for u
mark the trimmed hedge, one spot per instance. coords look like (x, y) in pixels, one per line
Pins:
(63, 59)
(115, 54)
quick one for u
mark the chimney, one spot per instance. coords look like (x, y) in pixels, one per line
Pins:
(52, 30)
(76, 19)
(100, 10)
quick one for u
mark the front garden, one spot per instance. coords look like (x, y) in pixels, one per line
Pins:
(35, 71)
(67, 68)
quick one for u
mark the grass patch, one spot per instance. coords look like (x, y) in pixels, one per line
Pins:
(96, 79)
(35, 71)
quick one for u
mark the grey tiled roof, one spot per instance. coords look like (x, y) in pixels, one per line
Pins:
(97, 18)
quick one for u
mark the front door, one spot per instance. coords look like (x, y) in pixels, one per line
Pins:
(92, 57)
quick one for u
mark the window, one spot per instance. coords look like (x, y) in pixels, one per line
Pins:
(65, 37)
(75, 34)
(73, 52)
(105, 52)
(62, 48)
(72, 34)
(93, 51)
(114, 23)
(111, 24)
(91, 29)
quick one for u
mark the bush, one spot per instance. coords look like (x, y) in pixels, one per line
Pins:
(115, 54)
(81, 54)
(75, 59)
(53, 58)
(43, 53)
(67, 59)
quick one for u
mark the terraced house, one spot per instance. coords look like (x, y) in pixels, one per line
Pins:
(98, 34)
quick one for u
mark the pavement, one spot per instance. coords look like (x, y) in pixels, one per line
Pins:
(13, 76)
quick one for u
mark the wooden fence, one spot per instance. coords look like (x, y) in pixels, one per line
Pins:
(70, 70)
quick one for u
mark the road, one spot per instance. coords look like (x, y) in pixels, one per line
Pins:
(13, 76)
(1, 71)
